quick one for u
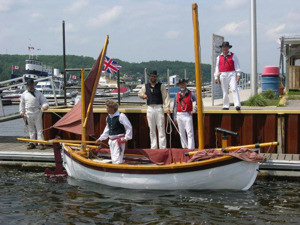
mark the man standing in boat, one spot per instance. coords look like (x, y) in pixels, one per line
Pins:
(157, 96)
(183, 114)
(31, 103)
(118, 129)
(227, 73)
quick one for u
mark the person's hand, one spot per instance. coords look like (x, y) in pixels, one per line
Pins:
(145, 96)
(23, 114)
(169, 111)
(238, 79)
(217, 81)
(123, 140)
(45, 107)
(191, 112)
(98, 142)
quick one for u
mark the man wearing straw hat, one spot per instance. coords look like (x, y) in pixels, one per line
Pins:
(31, 103)
(183, 114)
(228, 73)
(157, 96)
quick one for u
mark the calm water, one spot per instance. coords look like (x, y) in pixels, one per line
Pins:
(30, 198)
(13, 127)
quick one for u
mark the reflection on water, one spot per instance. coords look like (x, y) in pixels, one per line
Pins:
(30, 198)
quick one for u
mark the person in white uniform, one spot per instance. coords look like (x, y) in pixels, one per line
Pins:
(118, 129)
(31, 104)
(183, 114)
(227, 73)
(157, 96)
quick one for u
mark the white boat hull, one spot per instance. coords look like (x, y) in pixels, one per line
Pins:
(235, 176)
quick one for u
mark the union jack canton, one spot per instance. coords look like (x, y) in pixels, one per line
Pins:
(111, 66)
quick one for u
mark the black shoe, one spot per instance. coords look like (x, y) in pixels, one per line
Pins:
(31, 146)
(225, 108)
(42, 147)
(238, 108)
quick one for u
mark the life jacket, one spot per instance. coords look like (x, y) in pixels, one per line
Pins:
(226, 64)
(114, 125)
(154, 94)
(184, 102)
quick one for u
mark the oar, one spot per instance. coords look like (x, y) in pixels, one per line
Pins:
(232, 148)
(72, 141)
(50, 142)
(35, 141)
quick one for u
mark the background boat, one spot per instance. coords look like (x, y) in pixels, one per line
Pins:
(124, 92)
(47, 89)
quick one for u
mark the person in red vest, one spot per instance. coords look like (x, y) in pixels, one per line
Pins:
(183, 114)
(227, 73)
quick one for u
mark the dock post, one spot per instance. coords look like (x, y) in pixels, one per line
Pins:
(59, 169)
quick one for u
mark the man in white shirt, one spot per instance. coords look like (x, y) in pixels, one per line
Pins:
(31, 103)
(183, 114)
(157, 96)
(118, 129)
(228, 73)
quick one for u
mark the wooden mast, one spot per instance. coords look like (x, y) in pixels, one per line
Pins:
(90, 105)
(83, 115)
(97, 80)
(198, 75)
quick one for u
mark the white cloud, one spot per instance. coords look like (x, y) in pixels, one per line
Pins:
(36, 16)
(171, 34)
(106, 18)
(5, 5)
(229, 4)
(293, 16)
(273, 33)
(235, 28)
(77, 6)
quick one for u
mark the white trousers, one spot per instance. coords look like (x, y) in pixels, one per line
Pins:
(35, 125)
(156, 118)
(228, 79)
(186, 130)
(116, 154)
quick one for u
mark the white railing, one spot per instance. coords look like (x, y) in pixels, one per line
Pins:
(23, 83)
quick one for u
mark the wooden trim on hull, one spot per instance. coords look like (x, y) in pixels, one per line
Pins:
(151, 169)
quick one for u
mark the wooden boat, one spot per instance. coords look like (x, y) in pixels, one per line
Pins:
(157, 169)
(219, 173)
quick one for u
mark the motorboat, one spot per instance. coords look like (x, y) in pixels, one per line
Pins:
(124, 92)
(47, 88)
(137, 88)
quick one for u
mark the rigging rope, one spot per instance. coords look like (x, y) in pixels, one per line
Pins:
(170, 119)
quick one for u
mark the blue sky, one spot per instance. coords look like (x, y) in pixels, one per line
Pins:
(144, 30)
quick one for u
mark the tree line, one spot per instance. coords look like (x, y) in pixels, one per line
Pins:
(134, 71)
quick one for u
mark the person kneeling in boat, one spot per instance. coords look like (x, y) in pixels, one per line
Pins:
(118, 129)
(183, 114)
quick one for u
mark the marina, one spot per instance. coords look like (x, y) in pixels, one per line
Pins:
(80, 159)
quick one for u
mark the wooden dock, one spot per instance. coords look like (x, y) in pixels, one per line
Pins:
(281, 165)
(14, 154)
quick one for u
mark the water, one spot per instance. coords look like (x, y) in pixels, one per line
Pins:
(31, 198)
(13, 127)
